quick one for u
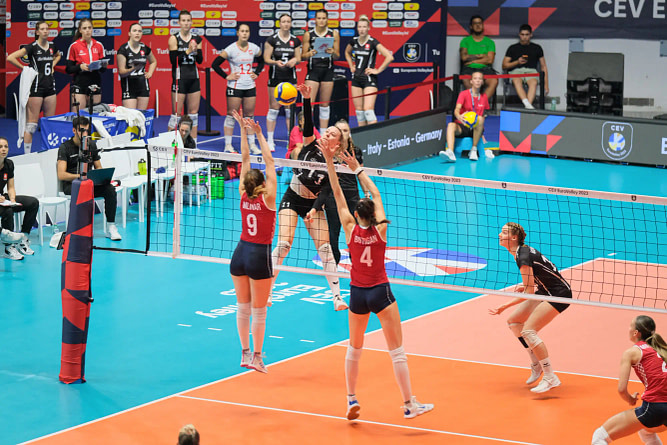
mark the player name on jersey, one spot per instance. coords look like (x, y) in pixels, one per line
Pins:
(365, 239)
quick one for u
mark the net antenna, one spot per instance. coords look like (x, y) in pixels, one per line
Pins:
(610, 247)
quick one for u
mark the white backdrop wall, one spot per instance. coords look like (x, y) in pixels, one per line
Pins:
(644, 73)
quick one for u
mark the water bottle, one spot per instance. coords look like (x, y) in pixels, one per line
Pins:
(142, 166)
(553, 104)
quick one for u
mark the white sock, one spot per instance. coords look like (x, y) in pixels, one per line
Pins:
(251, 139)
(352, 369)
(228, 140)
(269, 135)
(474, 148)
(401, 371)
(533, 359)
(27, 147)
(258, 328)
(243, 324)
(526, 103)
(546, 367)
(600, 437)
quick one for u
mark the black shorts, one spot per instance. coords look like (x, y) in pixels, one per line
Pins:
(253, 260)
(291, 200)
(560, 307)
(466, 132)
(186, 86)
(133, 87)
(233, 92)
(274, 82)
(466, 70)
(43, 92)
(370, 299)
(82, 83)
(365, 81)
(320, 74)
(652, 414)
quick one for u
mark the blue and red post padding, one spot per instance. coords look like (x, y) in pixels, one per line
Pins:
(75, 282)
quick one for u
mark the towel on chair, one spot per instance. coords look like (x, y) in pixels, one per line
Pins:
(27, 77)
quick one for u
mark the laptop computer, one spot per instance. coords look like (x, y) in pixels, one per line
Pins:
(101, 176)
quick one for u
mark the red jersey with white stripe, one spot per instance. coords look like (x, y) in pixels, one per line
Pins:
(367, 256)
(479, 104)
(81, 52)
(259, 221)
(652, 371)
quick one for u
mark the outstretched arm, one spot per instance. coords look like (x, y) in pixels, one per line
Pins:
(271, 180)
(245, 150)
(308, 127)
(346, 218)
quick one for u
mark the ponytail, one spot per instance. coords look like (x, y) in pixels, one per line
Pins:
(646, 327)
(366, 211)
(77, 34)
(253, 183)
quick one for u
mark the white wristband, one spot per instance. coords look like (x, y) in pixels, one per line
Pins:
(358, 170)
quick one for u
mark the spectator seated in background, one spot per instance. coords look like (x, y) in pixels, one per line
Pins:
(188, 435)
(477, 53)
(15, 245)
(468, 100)
(522, 58)
(296, 138)
(185, 127)
(68, 171)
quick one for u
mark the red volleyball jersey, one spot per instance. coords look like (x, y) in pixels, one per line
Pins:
(80, 52)
(652, 371)
(367, 255)
(259, 221)
(469, 103)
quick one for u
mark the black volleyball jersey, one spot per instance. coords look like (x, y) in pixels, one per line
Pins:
(187, 65)
(137, 60)
(320, 62)
(41, 60)
(364, 54)
(549, 281)
(313, 180)
(283, 51)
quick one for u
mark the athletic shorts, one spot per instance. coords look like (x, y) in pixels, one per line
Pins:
(320, 75)
(365, 81)
(370, 299)
(186, 86)
(253, 260)
(234, 92)
(82, 83)
(560, 307)
(43, 92)
(466, 70)
(291, 200)
(133, 87)
(466, 132)
(652, 414)
(274, 82)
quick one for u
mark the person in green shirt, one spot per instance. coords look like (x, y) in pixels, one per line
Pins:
(477, 53)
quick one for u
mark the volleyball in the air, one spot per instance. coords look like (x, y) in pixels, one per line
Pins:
(285, 93)
(470, 119)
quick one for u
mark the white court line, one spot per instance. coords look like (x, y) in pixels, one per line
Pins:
(185, 325)
(214, 329)
(370, 422)
(274, 336)
(308, 341)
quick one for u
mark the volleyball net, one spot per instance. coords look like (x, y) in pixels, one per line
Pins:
(611, 247)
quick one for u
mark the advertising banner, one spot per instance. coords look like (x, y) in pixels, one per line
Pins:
(562, 19)
(402, 139)
(584, 136)
(413, 31)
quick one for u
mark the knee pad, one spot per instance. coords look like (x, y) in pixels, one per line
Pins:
(31, 127)
(173, 121)
(243, 311)
(398, 355)
(288, 113)
(361, 116)
(649, 438)
(353, 354)
(195, 119)
(272, 115)
(324, 112)
(229, 121)
(280, 252)
(370, 116)
(259, 314)
(328, 260)
(530, 336)
(600, 437)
